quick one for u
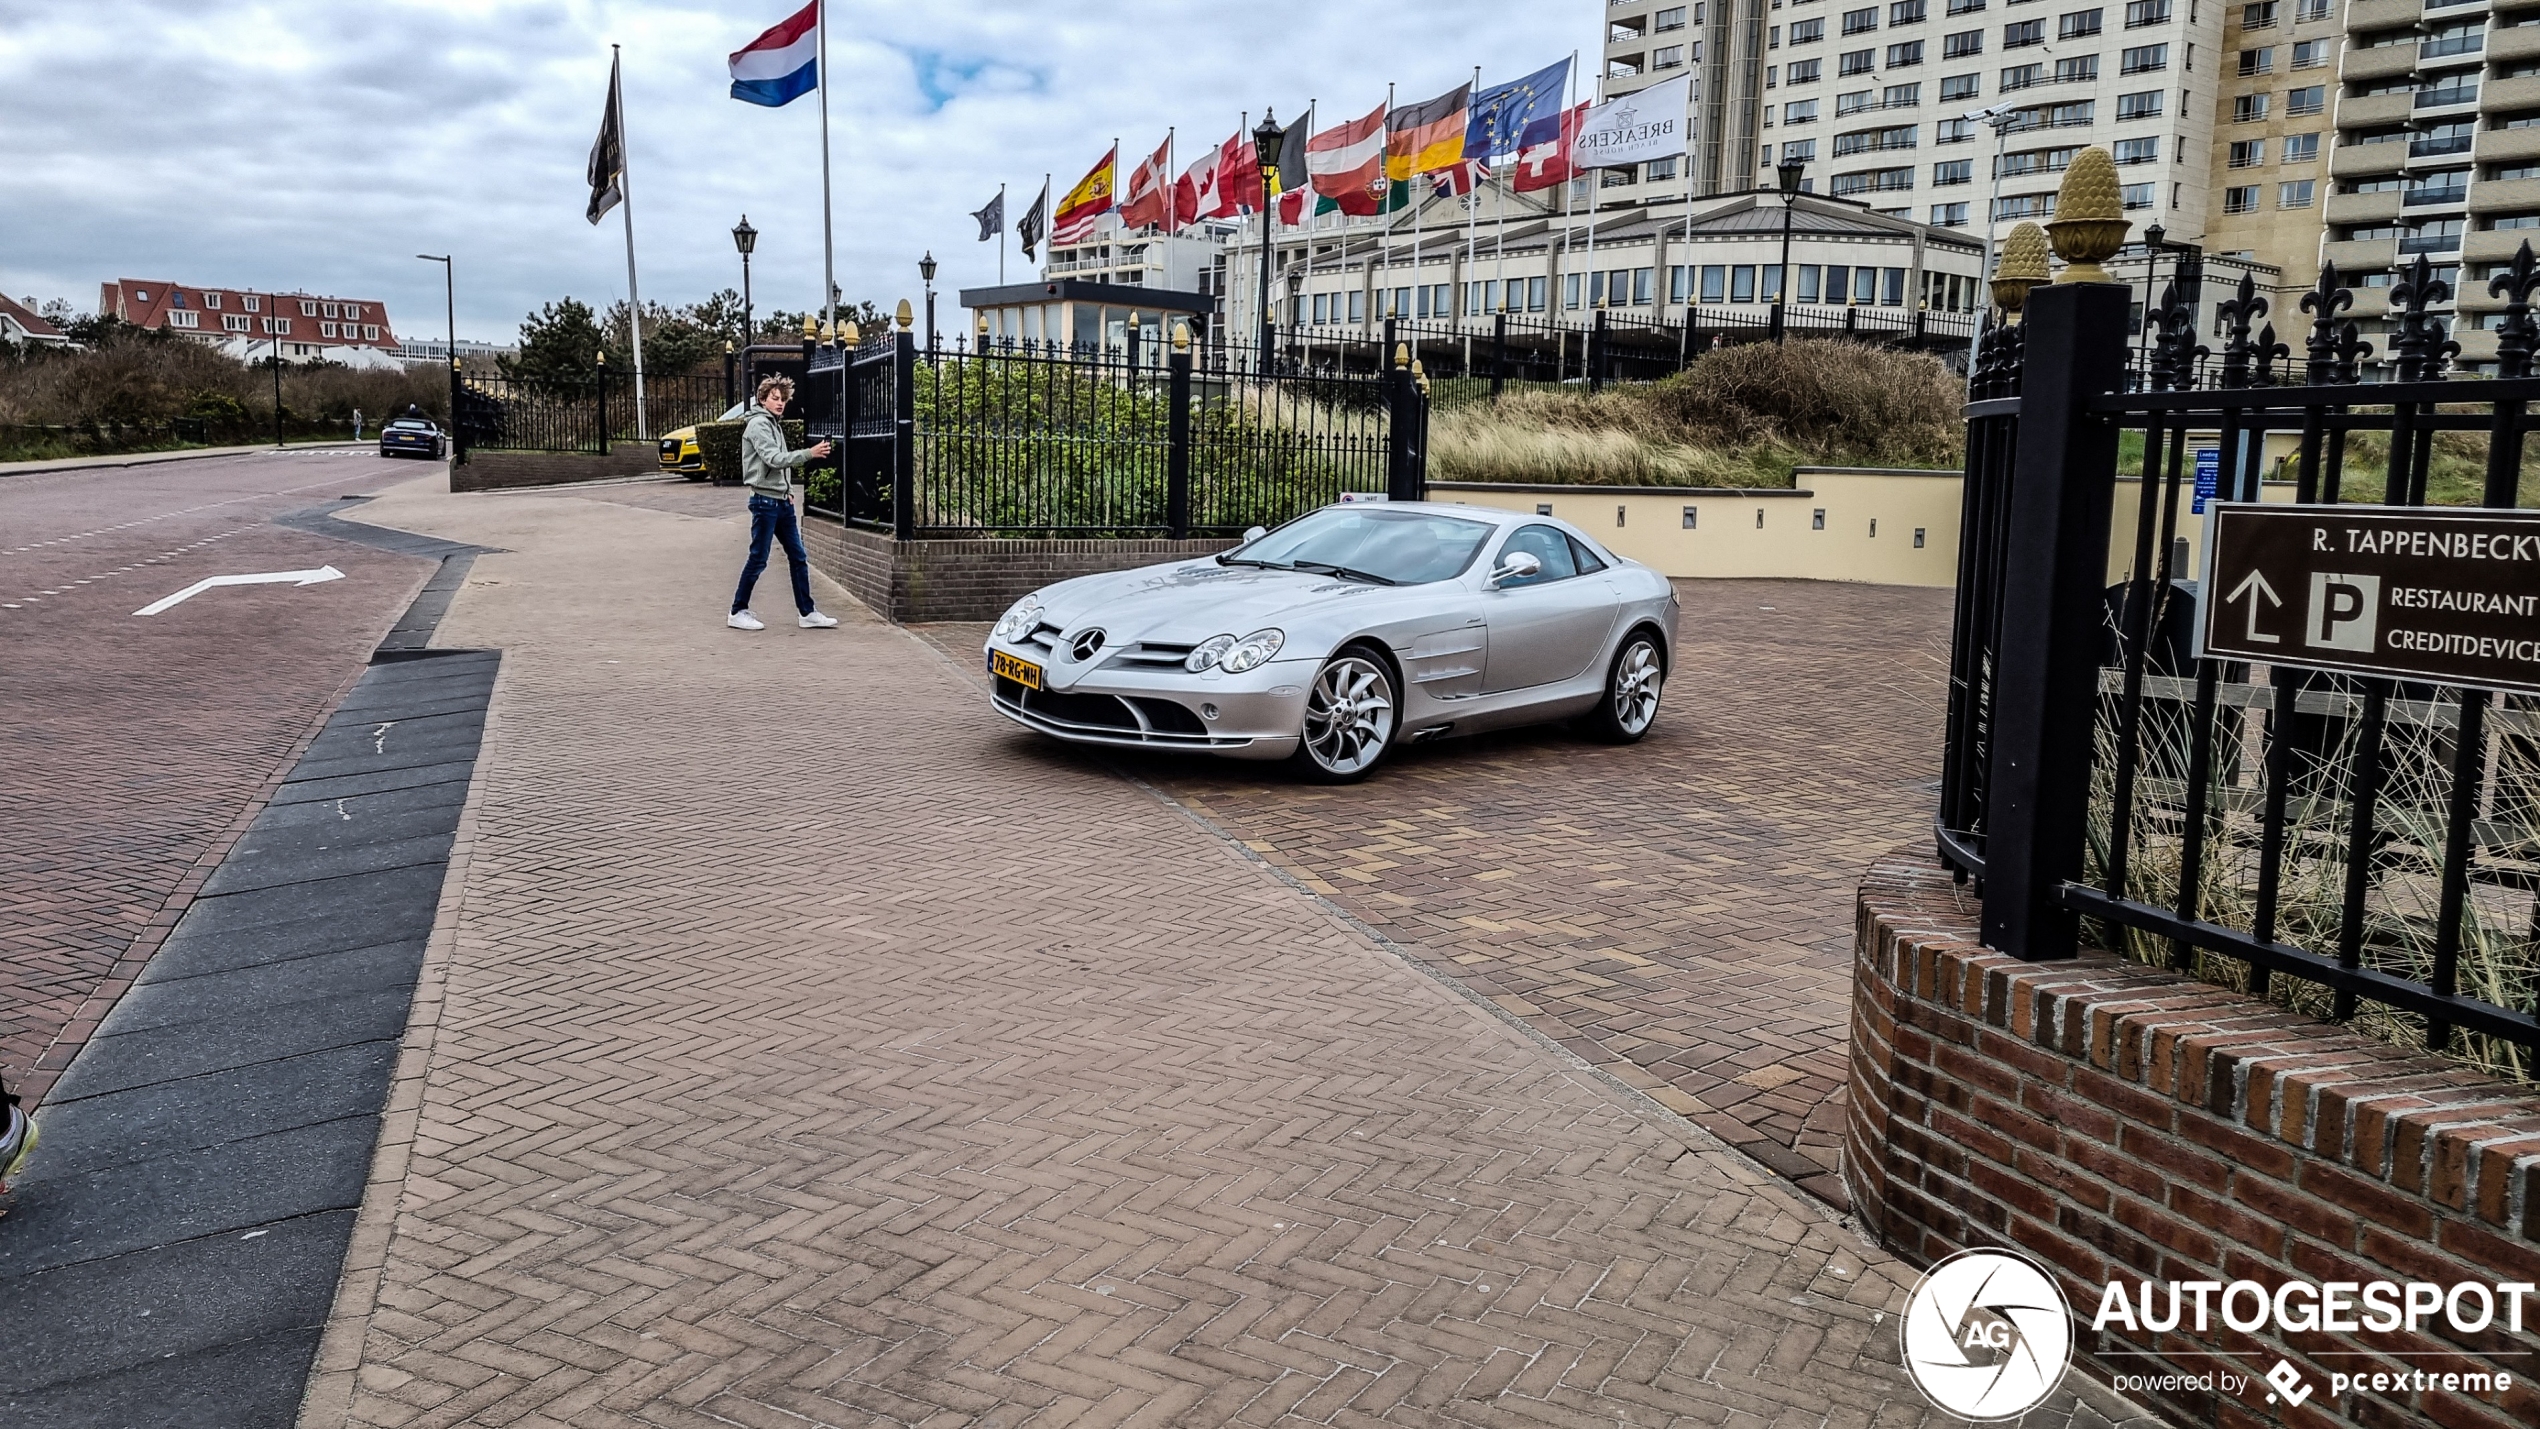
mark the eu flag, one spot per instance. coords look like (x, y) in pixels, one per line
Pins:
(1501, 113)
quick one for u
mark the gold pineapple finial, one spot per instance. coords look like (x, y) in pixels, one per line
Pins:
(851, 335)
(2022, 267)
(2089, 223)
(811, 328)
(1402, 354)
(907, 319)
(1181, 336)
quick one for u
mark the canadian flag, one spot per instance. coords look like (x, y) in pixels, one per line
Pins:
(1543, 151)
(1208, 188)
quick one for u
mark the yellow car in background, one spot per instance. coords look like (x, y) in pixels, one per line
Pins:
(679, 449)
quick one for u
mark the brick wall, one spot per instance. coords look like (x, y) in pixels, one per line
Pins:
(2119, 1122)
(970, 580)
(498, 471)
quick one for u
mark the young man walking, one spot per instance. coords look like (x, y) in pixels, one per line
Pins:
(767, 469)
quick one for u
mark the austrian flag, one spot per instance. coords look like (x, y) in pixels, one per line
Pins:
(782, 65)
(1347, 164)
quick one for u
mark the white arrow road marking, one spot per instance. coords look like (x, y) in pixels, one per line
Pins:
(2261, 588)
(322, 573)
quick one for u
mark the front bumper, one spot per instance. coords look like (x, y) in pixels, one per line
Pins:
(682, 457)
(1255, 715)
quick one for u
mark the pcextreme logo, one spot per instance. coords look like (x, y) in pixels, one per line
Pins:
(1988, 1334)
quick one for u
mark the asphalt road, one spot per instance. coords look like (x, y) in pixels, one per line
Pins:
(137, 745)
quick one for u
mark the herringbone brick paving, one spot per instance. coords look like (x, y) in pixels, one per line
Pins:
(1677, 912)
(137, 748)
(808, 1049)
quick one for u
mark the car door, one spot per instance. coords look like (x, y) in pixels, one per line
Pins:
(1546, 627)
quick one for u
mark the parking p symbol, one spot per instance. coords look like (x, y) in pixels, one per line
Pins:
(2345, 612)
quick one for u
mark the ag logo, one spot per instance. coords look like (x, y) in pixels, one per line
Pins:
(1987, 1334)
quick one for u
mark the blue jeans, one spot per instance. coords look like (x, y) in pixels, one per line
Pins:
(772, 516)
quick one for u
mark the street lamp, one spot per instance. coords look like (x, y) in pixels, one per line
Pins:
(1265, 134)
(926, 272)
(745, 238)
(450, 310)
(1788, 172)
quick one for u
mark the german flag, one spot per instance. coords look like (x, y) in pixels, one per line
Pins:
(1425, 138)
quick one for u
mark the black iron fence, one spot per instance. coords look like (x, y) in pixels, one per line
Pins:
(1018, 439)
(582, 414)
(2361, 846)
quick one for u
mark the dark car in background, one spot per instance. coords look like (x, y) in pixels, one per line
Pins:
(413, 436)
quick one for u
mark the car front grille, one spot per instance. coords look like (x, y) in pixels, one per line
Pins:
(1151, 655)
(1126, 718)
(1044, 635)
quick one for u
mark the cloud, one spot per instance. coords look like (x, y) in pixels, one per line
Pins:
(298, 144)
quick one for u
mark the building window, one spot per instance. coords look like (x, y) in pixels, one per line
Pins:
(2258, 61)
(1853, 62)
(1358, 301)
(2248, 153)
(212, 301)
(1953, 171)
(1902, 55)
(1959, 86)
(1804, 71)
(2310, 54)
(1667, 57)
(308, 310)
(1949, 215)
(2146, 105)
(183, 317)
(1856, 102)
(2246, 108)
(1954, 131)
(2313, 10)
(2294, 193)
(2241, 200)
(330, 310)
(1799, 151)
(2077, 24)
(1661, 169)
(1800, 111)
(2023, 206)
(233, 322)
(1901, 96)
(2260, 16)
(2078, 69)
(2310, 99)
(1965, 7)
(1672, 18)
(1857, 22)
(1742, 283)
(1908, 12)
(2143, 59)
(326, 329)
(1807, 31)
(2301, 148)
(2138, 151)
(2021, 77)
(2140, 13)
(248, 301)
(2023, 33)
(2136, 196)
(2075, 115)
(1715, 279)
(1962, 44)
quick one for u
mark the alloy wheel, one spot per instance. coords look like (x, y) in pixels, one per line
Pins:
(1349, 715)
(1639, 679)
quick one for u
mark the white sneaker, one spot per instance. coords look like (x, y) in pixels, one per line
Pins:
(743, 620)
(818, 621)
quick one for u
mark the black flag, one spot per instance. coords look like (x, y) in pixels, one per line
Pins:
(608, 159)
(991, 218)
(1036, 220)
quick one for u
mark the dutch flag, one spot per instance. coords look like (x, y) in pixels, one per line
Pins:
(782, 65)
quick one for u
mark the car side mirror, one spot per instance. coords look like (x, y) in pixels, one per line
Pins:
(1516, 565)
(1255, 533)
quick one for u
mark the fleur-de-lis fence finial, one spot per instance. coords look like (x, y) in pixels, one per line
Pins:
(2517, 337)
(2175, 350)
(2326, 299)
(2351, 352)
(2237, 312)
(2269, 352)
(2420, 343)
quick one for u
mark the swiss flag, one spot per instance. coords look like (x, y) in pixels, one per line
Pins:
(1149, 205)
(1543, 151)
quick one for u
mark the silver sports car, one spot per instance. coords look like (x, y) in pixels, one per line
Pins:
(1341, 634)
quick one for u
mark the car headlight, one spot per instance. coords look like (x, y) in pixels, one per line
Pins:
(1207, 652)
(1018, 621)
(1251, 651)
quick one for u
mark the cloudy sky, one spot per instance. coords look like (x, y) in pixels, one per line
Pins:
(318, 144)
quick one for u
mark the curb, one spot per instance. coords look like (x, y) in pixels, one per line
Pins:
(131, 459)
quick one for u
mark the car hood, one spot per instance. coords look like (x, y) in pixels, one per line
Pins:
(1187, 602)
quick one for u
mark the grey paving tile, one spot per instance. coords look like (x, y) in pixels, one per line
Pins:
(249, 869)
(163, 999)
(303, 790)
(163, 1054)
(252, 1384)
(194, 1113)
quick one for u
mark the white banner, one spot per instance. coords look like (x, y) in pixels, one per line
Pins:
(1637, 127)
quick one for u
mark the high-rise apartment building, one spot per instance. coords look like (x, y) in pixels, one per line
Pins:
(2273, 138)
(1723, 42)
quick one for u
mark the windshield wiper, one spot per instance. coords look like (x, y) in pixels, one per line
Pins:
(1233, 560)
(1345, 572)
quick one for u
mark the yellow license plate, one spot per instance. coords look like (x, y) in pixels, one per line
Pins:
(1021, 672)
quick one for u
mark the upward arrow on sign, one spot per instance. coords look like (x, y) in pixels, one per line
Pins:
(322, 573)
(2253, 587)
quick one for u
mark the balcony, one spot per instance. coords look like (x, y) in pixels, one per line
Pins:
(2454, 48)
(2361, 255)
(2374, 110)
(2498, 145)
(2361, 208)
(2522, 42)
(2366, 15)
(2369, 302)
(2430, 243)
(2506, 196)
(2514, 93)
(2367, 161)
(2498, 245)
(2449, 196)
(2450, 96)
(2384, 62)
(2437, 148)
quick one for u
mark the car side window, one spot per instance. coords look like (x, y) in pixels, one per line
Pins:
(1547, 546)
(1589, 562)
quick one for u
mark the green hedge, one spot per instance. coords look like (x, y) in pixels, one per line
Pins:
(719, 447)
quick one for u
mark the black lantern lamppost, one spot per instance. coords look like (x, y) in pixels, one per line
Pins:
(1788, 172)
(450, 304)
(745, 238)
(1265, 134)
(926, 272)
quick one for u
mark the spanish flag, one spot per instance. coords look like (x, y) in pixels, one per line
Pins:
(1089, 200)
(1425, 138)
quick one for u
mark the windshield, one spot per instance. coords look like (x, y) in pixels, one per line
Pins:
(408, 424)
(1400, 547)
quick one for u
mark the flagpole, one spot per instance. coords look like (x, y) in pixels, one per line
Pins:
(1569, 192)
(828, 239)
(1384, 238)
(626, 210)
(1000, 235)
(1472, 220)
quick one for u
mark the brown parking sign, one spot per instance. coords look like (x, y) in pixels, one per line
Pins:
(2445, 594)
